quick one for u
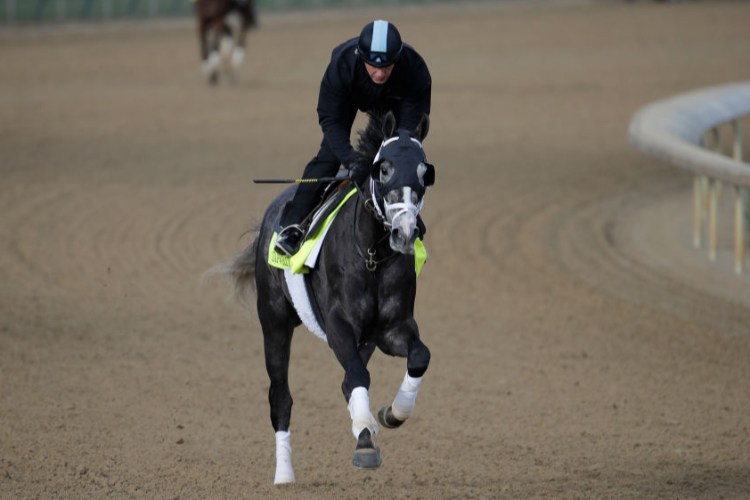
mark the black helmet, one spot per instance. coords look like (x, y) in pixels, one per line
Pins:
(380, 44)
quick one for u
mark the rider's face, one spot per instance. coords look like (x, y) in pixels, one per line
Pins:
(379, 75)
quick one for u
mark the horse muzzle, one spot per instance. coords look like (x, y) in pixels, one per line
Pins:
(404, 233)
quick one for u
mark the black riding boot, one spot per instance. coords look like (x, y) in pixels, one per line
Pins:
(291, 234)
(324, 164)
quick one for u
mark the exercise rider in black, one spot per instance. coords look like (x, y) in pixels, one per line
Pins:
(376, 71)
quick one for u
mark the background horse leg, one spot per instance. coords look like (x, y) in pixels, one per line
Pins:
(277, 320)
(226, 42)
(203, 27)
(248, 20)
(418, 359)
(212, 58)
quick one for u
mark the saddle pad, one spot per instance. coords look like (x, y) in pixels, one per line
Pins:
(307, 255)
(301, 301)
(297, 261)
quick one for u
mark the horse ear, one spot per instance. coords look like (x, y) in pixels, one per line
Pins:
(423, 128)
(389, 125)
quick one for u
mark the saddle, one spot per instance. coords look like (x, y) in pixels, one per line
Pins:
(313, 227)
(334, 193)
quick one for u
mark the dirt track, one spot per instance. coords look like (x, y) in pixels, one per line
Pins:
(580, 347)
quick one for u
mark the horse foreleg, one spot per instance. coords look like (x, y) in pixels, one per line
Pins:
(365, 352)
(364, 425)
(418, 359)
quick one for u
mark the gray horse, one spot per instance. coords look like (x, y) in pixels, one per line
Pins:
(364, 286)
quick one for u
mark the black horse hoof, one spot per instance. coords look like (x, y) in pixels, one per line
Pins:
(366, 456)
(386, 418)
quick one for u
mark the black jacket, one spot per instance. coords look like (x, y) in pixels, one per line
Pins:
(346, 88)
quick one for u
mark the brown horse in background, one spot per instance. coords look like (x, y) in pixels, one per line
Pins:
(217, 40)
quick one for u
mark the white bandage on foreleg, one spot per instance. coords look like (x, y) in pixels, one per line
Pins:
(359, 409)
(284, 471)
(225, 46)
(403, 404)
(238, 55)
(211, 63)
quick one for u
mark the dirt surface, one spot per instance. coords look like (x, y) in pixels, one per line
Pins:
(581, 348)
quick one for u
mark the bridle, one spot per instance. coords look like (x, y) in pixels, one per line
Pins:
(373, 205)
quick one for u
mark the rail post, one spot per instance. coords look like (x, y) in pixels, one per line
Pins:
(739, 204)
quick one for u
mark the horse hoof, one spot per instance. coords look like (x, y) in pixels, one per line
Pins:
(366, 456)
(386, 418)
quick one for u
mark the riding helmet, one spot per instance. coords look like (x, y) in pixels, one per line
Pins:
(380, 44)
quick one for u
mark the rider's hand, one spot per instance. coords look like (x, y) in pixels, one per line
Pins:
(357, 172)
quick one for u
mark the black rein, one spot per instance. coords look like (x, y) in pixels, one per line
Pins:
(370, 263)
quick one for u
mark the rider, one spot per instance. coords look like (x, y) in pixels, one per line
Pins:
(375, 71)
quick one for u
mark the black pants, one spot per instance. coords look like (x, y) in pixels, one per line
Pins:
(325, 164)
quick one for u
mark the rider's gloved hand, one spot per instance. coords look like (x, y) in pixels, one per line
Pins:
(358, 173)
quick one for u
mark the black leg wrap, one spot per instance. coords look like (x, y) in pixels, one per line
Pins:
(387, 419)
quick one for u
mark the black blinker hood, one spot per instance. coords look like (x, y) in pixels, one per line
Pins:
(405, 155)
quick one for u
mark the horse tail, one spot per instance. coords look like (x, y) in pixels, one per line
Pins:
(241, 269)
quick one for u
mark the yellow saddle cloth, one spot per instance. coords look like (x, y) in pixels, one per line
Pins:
(306, 256)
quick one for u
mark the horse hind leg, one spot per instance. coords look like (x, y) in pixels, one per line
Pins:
(277, 349)
(277, 322)
(402, 407)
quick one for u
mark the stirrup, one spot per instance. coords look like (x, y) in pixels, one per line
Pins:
(289, 248)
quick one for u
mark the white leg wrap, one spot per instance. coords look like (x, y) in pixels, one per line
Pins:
(284, 471)
(226, 45)
(403, 404)
(359, 409)
(212, 63)
(238, 55)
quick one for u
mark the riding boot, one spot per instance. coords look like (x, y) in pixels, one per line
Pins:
(291, 234)
(307, 195)
(288, 240)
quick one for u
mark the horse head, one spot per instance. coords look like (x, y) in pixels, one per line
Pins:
(399, 177)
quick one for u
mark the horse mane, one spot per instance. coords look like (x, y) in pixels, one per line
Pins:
(370, 138)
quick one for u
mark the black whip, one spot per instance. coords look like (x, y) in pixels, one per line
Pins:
(294, 181)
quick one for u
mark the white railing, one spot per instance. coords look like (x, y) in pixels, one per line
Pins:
(676, 130)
